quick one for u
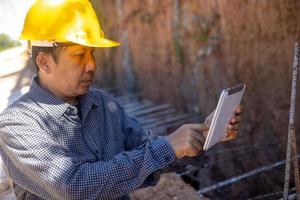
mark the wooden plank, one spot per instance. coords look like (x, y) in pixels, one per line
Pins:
(151, 110)
(157, 114)
(140, 107)
(132, 105)
(128, 98)
(156, 120)
(169, 127)
(167, 121)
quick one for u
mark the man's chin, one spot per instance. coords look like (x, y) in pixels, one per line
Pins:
(83, 90)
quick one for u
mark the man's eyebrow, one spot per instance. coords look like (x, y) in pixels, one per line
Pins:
(82, 48)
(90, 48)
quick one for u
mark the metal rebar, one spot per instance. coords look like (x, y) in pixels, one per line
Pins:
(291, 141)
(238, 178)
(295, 163)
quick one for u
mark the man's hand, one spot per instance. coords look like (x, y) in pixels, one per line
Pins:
(233, 125)
(188, 140)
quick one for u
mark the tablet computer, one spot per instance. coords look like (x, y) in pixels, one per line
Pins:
(229, 100)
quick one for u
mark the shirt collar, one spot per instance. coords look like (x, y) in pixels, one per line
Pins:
(55, 106)
(88, 98)
(50, 103)
(86, 102)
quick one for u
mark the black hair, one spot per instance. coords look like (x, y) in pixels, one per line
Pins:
(52, 51)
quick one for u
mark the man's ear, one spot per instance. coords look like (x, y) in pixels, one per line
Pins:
(43, 62)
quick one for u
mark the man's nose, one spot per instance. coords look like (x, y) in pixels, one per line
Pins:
(91, 64)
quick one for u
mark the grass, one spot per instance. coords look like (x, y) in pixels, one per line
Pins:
(7, 42)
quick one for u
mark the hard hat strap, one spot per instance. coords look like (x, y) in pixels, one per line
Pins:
(41, 43)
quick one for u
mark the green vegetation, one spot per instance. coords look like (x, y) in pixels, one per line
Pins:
(6, 42)
(178, 50)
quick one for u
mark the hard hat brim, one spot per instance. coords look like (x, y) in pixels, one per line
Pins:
(102, 42)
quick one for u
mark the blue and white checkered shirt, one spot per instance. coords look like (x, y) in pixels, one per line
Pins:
(50, 152)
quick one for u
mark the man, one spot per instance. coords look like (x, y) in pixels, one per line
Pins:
(63, 140)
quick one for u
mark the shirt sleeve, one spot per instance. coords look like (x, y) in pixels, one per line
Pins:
(137, 136)
(39, 164)
(181, 164)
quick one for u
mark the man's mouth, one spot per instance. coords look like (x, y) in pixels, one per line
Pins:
(88, 82)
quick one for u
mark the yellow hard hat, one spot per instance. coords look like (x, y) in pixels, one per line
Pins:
(51, 21)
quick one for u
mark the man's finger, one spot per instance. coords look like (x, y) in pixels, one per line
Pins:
(231, 135)
(197, 144)
(239, 110)
(199, 127)
(232, 127)
(235, 119)
(199, 137)
(194, 150)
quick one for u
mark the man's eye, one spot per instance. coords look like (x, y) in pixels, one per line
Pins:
(80, 54)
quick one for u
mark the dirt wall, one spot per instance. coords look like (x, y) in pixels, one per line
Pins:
(186, 51)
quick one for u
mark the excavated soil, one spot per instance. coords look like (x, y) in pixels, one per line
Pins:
(170, 187)
(186, 52)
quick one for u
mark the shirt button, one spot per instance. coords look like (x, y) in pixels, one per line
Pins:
(97, 152)
(70, 111)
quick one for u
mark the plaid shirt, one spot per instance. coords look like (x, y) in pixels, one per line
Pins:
(52, 150)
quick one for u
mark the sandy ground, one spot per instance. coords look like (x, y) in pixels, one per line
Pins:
(170, 187)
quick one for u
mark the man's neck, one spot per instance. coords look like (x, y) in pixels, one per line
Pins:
(70, 100)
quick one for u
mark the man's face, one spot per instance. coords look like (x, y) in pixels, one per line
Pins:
(73, 73)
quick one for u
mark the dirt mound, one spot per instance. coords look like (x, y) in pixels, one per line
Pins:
(170, 187)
